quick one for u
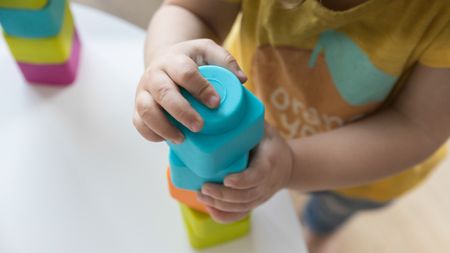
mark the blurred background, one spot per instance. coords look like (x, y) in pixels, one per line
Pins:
(135, 11)
(417, 223)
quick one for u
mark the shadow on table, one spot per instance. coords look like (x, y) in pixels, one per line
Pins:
(46, 92)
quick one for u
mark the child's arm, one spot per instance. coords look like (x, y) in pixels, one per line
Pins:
(175, 46)
(387, 143)
(379, 146)
(182, 20)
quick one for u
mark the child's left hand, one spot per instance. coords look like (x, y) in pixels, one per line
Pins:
(269, 171)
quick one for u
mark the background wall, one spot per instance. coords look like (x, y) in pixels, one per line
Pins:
(138, 12)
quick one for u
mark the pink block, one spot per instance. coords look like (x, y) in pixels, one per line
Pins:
(54, 74)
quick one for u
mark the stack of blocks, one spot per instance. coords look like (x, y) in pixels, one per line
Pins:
(222, 147)
(42, 38)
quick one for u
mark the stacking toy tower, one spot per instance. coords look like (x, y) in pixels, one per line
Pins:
(42, 38)
(222, 147)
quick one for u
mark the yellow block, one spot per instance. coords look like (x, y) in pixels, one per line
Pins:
(204, 232)
(23, 4)
(52, 50)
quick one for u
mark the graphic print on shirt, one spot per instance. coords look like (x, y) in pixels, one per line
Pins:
(308, 92)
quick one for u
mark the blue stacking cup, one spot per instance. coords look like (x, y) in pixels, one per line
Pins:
(230, 131)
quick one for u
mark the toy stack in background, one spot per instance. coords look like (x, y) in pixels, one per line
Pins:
(222, 147)
(42, 38)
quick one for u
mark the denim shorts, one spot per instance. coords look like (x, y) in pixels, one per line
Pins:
(327, 211)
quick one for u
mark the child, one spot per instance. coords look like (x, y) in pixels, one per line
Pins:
(356, 94)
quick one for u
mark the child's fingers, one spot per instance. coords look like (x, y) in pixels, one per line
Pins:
(146, 132)
(217, 55)
(225, 217)
(223, 193)
(184, 71)
(165, 92)
(153, 117)
(249, 178)
(260, 162)
(226, 206)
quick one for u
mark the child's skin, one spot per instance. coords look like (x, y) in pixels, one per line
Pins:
(392, 140)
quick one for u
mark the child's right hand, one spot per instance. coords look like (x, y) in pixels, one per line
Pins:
(158, 89)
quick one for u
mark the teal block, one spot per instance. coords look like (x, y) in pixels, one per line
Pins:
(230, 130)
(184, 178)
(30, 23)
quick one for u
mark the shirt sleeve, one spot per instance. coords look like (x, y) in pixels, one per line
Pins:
(437, 54)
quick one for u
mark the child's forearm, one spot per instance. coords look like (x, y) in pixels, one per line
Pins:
(381, 145)
(181, 20)
(377, 147)
(173, 24)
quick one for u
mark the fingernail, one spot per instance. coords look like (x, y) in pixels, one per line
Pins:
(229, 182)
(195, 126)
(179, 139)
(241, 73)
(213, 100)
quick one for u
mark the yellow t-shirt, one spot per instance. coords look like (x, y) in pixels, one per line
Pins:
(316, 69)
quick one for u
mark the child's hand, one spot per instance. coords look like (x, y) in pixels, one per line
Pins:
(158, 89)
(269, 171)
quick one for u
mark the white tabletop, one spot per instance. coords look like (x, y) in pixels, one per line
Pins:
(76, 177)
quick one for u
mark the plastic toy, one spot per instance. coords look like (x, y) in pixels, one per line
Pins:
(41, 36)
(51, 50)
(23, 4)
(40, 23)
(222, 147)
(229, 133)
(189, 198)
(203, 232)
(185, 178)
(58, 74)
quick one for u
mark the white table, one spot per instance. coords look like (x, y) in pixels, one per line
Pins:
(76, 177)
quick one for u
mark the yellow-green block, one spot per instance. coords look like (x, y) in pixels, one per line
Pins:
(23, 4)
(204, 232)
(51, 50)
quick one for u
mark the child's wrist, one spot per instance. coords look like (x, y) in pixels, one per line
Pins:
(288, 166)
(295, 182)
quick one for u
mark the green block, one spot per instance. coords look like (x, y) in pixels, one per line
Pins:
(204, 232)
(23, 4)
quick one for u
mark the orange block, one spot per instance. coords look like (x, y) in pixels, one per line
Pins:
(189, 198)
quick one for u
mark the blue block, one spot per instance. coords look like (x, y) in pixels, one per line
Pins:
(184, 178)
(27, 23)
(230, 130)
